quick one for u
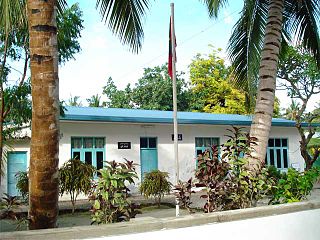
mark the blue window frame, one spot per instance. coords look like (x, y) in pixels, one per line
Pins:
(204, 143)
(278, 153)
(90, 150)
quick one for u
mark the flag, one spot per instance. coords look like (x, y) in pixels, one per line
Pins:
(170, 51)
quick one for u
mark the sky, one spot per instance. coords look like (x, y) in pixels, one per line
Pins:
(103, 56)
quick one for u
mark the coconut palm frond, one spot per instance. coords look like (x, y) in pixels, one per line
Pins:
(245, 46)
(303, 24)
(12, 15)
(61, 5)
(124, 19)
(214, 6)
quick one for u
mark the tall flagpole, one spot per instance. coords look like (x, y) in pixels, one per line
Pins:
(174, 87)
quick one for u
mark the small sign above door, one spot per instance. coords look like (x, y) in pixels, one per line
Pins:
(179, 137)
(124, 145)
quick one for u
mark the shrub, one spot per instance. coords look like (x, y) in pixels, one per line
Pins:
(75, 178)
(295, 186)
(229, 184)
(23, 184)
(109, 194)
(275, 173)
(155, 184)
(248, 186)
(183, 192)
(213, 174)
(7, 206)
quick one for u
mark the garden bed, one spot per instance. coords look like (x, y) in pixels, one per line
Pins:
(82, 217)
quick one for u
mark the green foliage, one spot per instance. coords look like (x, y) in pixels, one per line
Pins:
(183, 191)
(75, 178)
(155, 184)
(213, 175)
(23, 184)
(109, 195)
(17, 107)
(117, 98)
(275, 173)
(74, 101)
(300, 76)
(227, 181)
(125, 19)
(249, 187)
(153, 91)
(7, 206)
(69, 24)
(95, 101)
(295, 186)
(300, 72)
(211, 87)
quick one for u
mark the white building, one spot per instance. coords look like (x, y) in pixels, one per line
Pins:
(146, 137)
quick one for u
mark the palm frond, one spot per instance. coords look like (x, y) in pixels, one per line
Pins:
(214, 6)
(61, 5)
(12, 15)
(124, 19)
(245, 46)
(303, 24)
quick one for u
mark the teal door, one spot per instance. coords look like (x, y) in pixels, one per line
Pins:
(17, 162)
(148, 155)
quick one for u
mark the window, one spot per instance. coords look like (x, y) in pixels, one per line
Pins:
(203, 143)
(277, 153)
(90, 150)
(148, 142)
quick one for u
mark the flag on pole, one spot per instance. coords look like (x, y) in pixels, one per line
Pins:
(171, 51)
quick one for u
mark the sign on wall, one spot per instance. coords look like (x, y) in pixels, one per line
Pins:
(179, 137)
(124, 145)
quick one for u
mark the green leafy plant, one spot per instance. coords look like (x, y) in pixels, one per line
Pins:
(248, 187)
(23, 184)
(213, 175)
(155, 184)
(227, 181)
(275, 173)
(295, 186)
(109, 194)
(7, 206)
(75, 178)
(183, 192)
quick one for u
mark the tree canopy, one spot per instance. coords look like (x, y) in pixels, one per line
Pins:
(301, 78)
(211, 87)
(152, 91)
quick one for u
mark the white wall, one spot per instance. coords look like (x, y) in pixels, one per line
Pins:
(120, 132)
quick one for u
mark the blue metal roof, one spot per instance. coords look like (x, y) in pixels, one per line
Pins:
(156, 116)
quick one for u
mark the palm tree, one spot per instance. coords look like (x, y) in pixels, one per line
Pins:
(94, 101)
(254, 48)
(74, 101)
(292, 111)
(124, 19)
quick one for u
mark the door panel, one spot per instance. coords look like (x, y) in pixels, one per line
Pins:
(17, 161)
(149, 160)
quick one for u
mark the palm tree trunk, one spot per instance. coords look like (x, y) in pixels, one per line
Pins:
(261, 123)
(44, 160)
